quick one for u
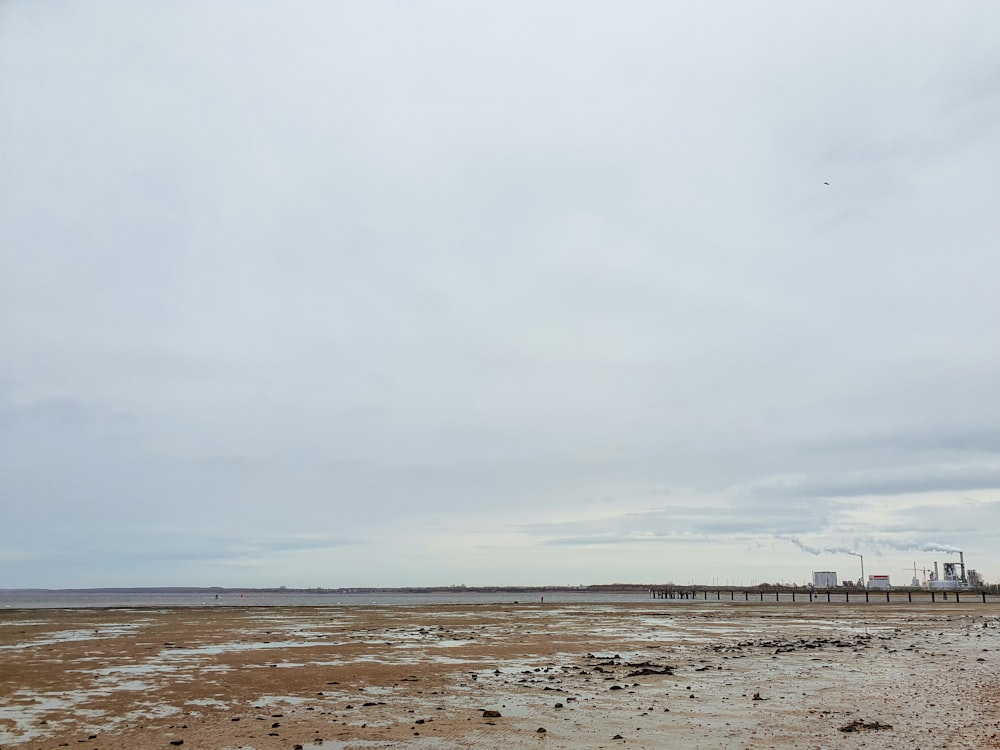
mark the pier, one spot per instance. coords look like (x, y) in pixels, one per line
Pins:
(805, 594)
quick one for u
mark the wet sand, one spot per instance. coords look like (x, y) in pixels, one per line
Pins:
(658, 675)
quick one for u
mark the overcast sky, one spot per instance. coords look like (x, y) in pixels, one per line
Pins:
(414, 293)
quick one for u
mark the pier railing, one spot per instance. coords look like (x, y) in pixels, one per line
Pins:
(807, 594)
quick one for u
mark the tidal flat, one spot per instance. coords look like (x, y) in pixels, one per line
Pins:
(652, 675)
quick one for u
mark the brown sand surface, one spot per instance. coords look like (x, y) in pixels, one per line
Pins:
(656, 675)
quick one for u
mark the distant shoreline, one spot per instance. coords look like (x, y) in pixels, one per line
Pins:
(612, 588)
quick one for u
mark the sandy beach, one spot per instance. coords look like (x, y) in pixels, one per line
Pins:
(656, 675)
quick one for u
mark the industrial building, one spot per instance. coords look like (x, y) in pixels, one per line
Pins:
(824, 579)
(954, 576)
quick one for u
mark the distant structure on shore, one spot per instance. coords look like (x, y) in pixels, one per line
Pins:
(825, 579)
(954, 578)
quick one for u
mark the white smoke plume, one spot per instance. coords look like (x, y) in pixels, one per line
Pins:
(936, 547)
(875, 546)
(817, 550)
(920, 546)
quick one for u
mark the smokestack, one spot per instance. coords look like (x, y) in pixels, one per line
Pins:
(935, 571)
(961, 562)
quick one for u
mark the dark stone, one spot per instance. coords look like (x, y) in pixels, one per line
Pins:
(858, 725)
(653, 670)
(490, 714)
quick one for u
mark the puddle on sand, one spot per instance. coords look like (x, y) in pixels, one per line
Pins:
(124, 685)
(411, 658)
(175, 654)
(443, 643)
(213, 702)
(416, 743)
(273, 700)
(113, 630)
(25, 717)
(130, 669)
(151, 711)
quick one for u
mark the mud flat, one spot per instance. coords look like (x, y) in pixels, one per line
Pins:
(657, 675)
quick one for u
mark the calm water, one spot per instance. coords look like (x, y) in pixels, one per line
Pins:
(63, 600)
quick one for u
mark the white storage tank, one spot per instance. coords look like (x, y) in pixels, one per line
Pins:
(824, 579)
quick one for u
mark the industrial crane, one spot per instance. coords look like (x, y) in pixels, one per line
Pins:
(917, 582)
